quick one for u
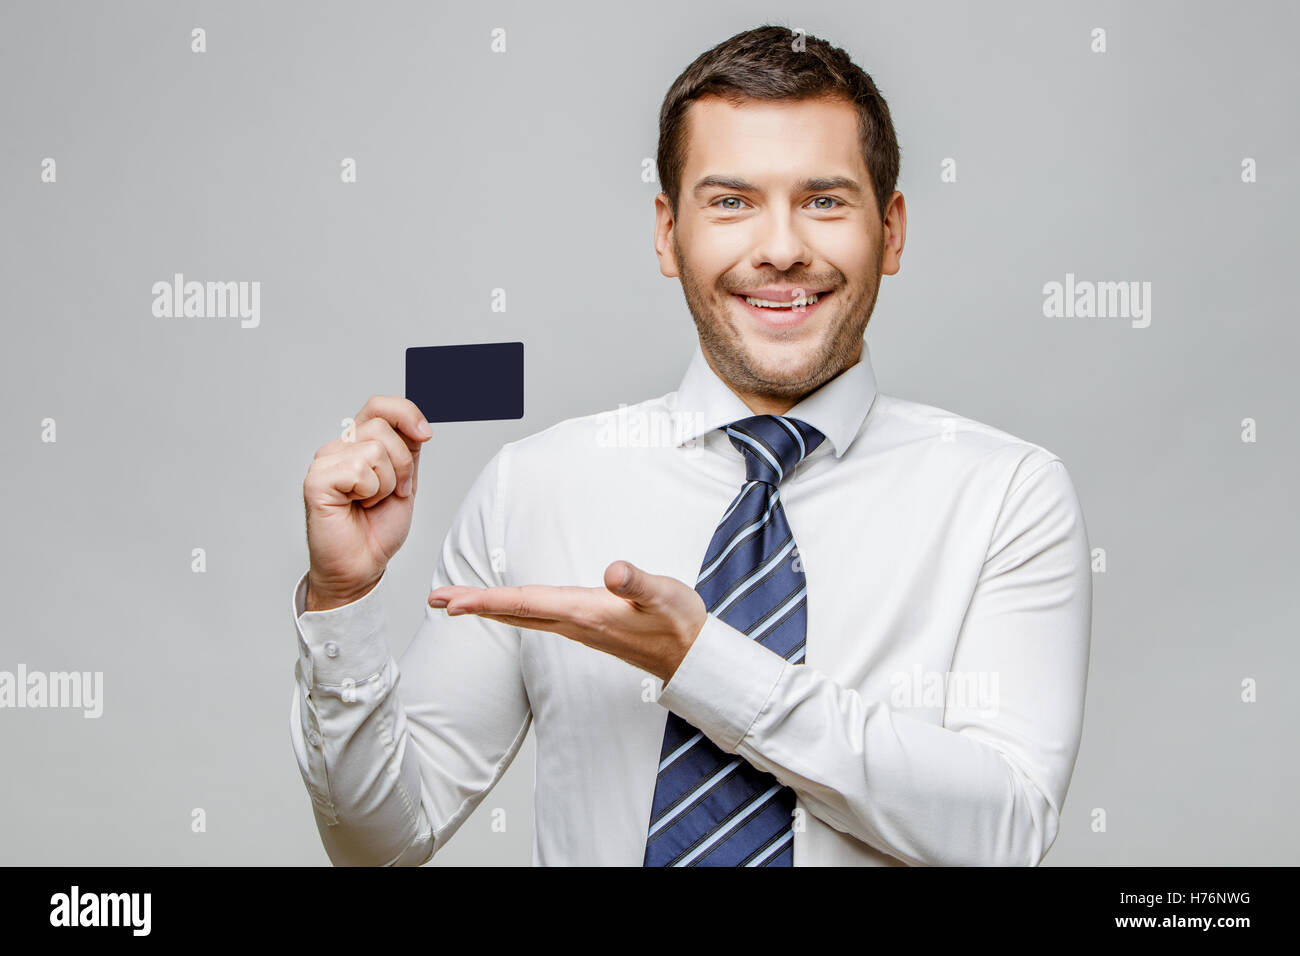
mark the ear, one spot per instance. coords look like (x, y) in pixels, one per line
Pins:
(664, 225)
(893, 235)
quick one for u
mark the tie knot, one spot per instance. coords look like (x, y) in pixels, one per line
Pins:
(772, 445)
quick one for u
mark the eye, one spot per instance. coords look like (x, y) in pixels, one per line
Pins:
(827, 199)
(728, 199)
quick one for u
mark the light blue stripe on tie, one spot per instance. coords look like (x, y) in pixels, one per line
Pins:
(688, 801)
(736, 538)
(756, 634)
(776, 465)
(773, 850)
(777, 559)
(679, 751)
(803, 449)
(744, 493)
(737, 820)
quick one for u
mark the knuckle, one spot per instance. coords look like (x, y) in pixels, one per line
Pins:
(317, 472)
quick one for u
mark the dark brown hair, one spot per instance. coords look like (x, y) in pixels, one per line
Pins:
(763, 63)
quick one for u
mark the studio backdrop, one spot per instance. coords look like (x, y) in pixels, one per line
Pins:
(364, 178)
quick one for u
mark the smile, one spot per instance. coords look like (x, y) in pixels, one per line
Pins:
(782, 315)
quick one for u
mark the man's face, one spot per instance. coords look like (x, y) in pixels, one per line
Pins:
(776, 200)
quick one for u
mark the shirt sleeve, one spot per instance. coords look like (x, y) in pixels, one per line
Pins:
(985, 788)
(395, 755)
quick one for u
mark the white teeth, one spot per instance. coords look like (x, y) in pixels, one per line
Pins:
(793, 303)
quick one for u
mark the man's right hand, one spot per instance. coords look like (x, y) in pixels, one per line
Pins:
(359, 496)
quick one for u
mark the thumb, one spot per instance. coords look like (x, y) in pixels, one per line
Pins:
(628, 581)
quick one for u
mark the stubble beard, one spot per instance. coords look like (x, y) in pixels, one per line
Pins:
(833, 354)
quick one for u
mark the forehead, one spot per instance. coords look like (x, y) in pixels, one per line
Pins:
(771, 138)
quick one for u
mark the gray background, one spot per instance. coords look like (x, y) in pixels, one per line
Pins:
(522, 171)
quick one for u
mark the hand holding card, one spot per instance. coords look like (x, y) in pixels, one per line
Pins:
(359, 492)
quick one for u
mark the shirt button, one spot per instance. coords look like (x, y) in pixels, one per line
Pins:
(331, 649)
(313, 738)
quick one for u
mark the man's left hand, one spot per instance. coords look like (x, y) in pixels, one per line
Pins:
(648, 620)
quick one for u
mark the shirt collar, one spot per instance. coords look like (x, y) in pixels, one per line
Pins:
(836, 409)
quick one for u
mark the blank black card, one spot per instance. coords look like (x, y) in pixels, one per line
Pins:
(467, 383)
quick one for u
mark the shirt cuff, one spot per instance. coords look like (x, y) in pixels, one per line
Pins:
(344, 644)
(723, 683)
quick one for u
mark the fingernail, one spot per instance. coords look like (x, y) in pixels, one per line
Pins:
(438, 602)
(425, 428)
(455, 610)
(406, 488)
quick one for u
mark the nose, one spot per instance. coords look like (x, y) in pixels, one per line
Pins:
(779, 244)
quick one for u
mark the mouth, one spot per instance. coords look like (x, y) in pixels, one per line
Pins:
(782, 315)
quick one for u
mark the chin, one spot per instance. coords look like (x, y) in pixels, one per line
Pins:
(784, 363)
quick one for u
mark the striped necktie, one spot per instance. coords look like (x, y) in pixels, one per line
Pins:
(712, 808)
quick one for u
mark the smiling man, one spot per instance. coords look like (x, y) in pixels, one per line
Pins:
(852, 630)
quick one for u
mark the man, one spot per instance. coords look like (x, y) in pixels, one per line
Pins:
(832, 626)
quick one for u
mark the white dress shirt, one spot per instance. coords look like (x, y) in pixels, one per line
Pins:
(935, 721)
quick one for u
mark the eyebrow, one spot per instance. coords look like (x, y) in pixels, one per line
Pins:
(814, 185)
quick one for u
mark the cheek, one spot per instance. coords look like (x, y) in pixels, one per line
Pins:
(712, 251)
(850, 252)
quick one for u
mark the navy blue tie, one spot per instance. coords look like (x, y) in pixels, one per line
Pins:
(712, 808)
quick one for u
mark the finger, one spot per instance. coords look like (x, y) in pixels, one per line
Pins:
(362, 473)
(400, 454)
(537, 623)
(374, 454)
(570, 611)
(631, 583)
(440, 596)
(358, 474)
(401, 413)
(541, 601)
(531, 623)
(371, 428)
(332, 480)
(456, 589)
